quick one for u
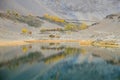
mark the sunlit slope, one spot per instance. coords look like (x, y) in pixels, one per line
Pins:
(10, 30)
(110, 23)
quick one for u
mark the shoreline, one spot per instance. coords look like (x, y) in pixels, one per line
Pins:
(81, 42)
(12, 43)
(25, 42)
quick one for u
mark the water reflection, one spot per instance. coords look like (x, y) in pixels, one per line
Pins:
(59, 61)
(30, 58)
(26, 48)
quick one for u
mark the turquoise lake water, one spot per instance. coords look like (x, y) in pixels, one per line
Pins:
(59, 61)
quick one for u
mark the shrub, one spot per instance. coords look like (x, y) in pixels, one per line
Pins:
(54, 18)
(83, 26)
(70, 26)
(46, 15)
(30, 32)
(8, 12)
(54, 29)
(52, 36)
(12, 13)
(42, 30)
(24, 31)
(30, 20)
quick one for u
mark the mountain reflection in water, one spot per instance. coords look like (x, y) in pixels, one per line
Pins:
(59, 61)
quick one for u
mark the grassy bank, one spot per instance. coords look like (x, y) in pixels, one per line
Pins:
(106, 44)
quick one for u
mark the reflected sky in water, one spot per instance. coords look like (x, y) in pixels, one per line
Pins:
(59, 61)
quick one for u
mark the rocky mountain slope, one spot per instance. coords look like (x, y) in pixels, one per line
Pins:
(84, 9)
(75, 9)
(29, 17)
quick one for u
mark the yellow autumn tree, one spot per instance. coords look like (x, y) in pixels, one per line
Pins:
(24, 49)
(83, 26)
(54, 18)
(46, 15)
(70, 26)
(24, 30)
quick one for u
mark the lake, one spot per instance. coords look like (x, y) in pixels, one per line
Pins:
(59, 61)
